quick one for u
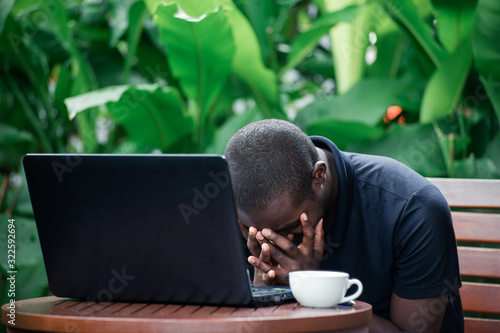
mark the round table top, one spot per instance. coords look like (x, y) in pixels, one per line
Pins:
(54, 314)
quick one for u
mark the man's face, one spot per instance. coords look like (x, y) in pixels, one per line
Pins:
(283, 217)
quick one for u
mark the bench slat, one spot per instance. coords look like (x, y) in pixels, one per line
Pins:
(476, 227)
(469, 193)
(480, 297)
(479, 262)
(482, 325)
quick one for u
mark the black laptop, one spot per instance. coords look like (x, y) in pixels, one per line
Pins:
(142, 228)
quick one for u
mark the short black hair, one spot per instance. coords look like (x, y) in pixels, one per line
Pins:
(267, 158)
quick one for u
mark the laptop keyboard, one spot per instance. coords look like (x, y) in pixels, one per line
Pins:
(257, 291)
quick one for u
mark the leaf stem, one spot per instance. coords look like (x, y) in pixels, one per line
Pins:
(3, 190)
(30, 114)
(133, 40)
(13, 202)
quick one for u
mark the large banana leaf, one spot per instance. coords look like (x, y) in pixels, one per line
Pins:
(413, 144)
(246, 60)
(348, 44)
(248, 66)
(83, 77)
(486, 47)
(153, 117)
(454, 21)
(344, 132)
(199, 51)
(193, 8)
(304, 43)
(14, 143)
(231, 126)
(119, 18)
(405, 13)
(390, 46)
(365, 103)
(446, 84)
(5, 7)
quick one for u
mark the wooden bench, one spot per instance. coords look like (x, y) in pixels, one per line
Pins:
(475, 205)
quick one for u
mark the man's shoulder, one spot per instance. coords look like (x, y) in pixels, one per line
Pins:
(385, 176)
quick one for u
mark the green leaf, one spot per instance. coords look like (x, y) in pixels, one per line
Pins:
(445, 87)
(365, 103)
(344, 133)
(137, 16)
(119, 18)
(492, 151)
(24, 6)
(453, 147)
(229, 128)
(414, 145)
(454, 21)
(472, 167)
(153, 119)
(14, 144)
(56, 20)
(348, 43)
(265, 18)
(391, 44)
(95, 98)
(5, 7)
(247, 64)
(152, 116)
(304, 43)
(199, 51)
(486, 48)
(405, 13)
(193, 8)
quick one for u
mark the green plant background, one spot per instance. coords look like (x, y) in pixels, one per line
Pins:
(132, 76)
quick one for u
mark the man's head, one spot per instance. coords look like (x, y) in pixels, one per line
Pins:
(277, 175)
(268, 158)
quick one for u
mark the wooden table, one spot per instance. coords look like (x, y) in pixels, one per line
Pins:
(54, 314)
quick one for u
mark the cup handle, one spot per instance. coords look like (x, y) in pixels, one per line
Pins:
(358, 292)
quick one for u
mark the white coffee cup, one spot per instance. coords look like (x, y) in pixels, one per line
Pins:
(322, 289)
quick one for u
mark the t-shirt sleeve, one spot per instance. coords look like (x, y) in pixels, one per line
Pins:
(426, 261)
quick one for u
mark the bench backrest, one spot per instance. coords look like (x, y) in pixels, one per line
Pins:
(475, 205)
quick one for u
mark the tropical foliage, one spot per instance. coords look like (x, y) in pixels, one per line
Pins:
(417, 80)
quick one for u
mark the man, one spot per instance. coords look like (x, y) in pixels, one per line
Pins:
(304, 204)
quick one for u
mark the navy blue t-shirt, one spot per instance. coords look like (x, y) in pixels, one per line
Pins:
(393, 231)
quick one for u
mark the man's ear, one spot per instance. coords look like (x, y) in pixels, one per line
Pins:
(319, 173)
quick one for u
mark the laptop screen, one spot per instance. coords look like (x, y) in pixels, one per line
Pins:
(150, 228)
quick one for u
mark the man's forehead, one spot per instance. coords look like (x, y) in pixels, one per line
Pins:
(279, 214)
(260, 220)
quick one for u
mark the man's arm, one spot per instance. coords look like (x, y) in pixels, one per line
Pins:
(412, 315)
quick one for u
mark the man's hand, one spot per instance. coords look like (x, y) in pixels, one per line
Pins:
(259, 249)
(274, 256)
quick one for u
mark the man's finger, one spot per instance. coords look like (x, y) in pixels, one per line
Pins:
(264, 273)
(265, 254)
(252, 243)
(279, 242)
(308, 231)
(319, 237)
